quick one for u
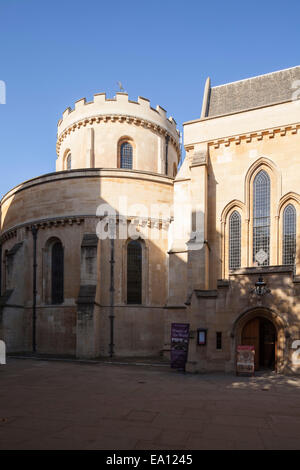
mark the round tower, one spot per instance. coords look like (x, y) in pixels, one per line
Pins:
(55, 254)
(117, 133)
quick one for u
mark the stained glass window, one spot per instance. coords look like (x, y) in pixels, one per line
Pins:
(289, 235)
(219, 340)
(235, 240)
(126, 155)
(134, 272)
(57, 274)
(69, 162)
(261, 218)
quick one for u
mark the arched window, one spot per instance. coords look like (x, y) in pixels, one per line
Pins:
(289, 235)
(57, 273)
(261, 218)
(134, 272)
(126, 155)
(69, 162)
(235, 240)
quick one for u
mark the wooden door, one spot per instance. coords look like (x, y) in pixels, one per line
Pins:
(250, 337)
(268, 344)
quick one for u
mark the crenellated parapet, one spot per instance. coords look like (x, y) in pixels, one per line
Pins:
(120, 109)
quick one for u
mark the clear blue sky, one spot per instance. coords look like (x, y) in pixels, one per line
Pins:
(55, 52)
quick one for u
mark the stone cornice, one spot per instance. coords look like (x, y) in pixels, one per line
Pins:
(69, 220)
(11, 233)
(41, 224)
(97, 119)
(270, 133)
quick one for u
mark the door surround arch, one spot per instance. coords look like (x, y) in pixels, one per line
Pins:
(276, 319)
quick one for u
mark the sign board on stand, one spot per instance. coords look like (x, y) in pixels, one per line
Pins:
(245, 360)
(179, 345)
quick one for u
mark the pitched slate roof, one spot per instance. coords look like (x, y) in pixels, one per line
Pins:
(272, 88)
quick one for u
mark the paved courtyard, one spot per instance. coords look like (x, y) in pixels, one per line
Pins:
(69, 405)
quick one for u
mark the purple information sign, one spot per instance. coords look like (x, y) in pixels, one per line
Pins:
(179, 344)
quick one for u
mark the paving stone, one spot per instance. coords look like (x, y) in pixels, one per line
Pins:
(198, 442)
(241, 420)
(204, 416)
(172, 438)
(241, 434)
(178, 423)
(148, 445)
(57, 405)
(110, 443)
(142, 432)
(272, 441)
(15, 435)
(116, 412)
(140, 415)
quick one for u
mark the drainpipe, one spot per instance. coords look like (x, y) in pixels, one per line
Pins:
(166, 161)
(111, 290)
(34, 231)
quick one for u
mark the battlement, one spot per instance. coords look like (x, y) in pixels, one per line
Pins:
(117, 107)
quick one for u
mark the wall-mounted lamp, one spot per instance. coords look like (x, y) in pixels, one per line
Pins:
(260, 288)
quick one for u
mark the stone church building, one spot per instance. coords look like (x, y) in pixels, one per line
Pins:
(94, 258)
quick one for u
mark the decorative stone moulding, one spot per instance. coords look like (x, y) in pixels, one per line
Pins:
(119, 109)
(42, 224)
(78, 220)
(59, 222)
(260, 135)
(116, 118)
(8, 235)
(142, 221)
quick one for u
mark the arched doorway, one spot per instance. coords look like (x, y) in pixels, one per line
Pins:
(261, 333)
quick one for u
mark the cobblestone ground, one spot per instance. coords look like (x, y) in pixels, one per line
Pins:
(69, 405)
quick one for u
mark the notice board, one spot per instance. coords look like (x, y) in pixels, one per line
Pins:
(245, 360)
